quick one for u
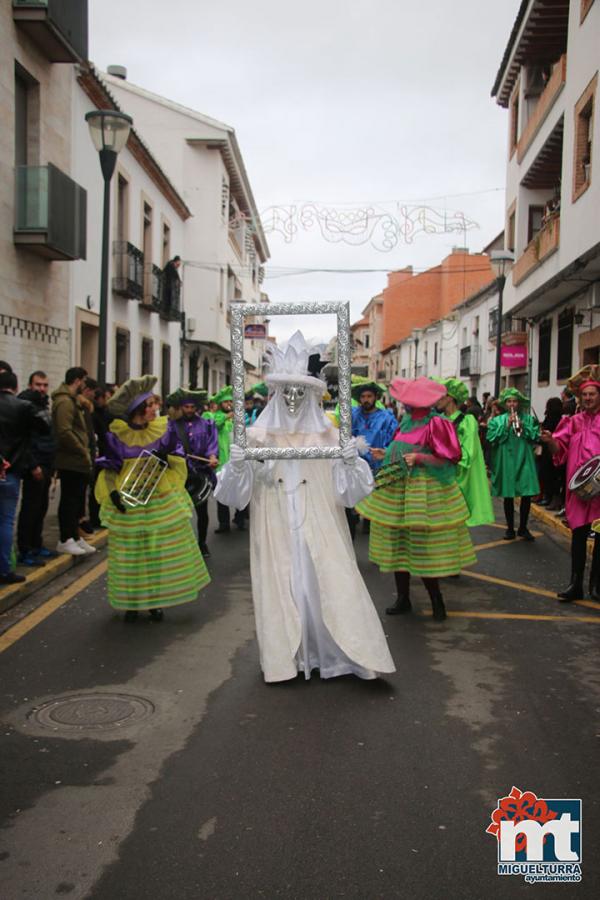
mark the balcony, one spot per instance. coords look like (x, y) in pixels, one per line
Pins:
(546, 101)
(170, 303)
(543, 245)
(50, 213)
(470, 360)
(151, 297)
(58, 27)
(128, 280)
(514, 330)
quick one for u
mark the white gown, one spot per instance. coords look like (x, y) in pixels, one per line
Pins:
(312, 607)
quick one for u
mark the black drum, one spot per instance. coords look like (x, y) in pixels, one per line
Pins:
(199, 487)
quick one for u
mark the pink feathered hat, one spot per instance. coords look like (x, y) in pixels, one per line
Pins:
(420, 392)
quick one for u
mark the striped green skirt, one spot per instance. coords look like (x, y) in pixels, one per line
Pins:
(153, 557)
(419, 526)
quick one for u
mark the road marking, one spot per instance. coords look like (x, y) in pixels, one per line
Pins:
(22, 628)
(517, 585)
(544, 618)
(503, 543)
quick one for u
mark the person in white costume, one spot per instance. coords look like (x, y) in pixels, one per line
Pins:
(311, 605)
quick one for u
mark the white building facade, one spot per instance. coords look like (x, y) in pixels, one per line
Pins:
(223, 246)
(461, 345)
(548, 80)
(147, 220)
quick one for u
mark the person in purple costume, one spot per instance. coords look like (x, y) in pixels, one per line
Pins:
(199, 438)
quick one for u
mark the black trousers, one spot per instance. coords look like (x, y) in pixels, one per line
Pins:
(223, 515)
(72, 499)
(202, 516)
(34, 506)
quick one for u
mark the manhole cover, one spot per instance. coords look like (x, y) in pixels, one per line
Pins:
(92, 712)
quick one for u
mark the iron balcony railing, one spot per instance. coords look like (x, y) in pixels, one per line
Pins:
(510, 324)
(58, 27)
(470, 360)
(170, 304)
(50, 212)
(128, 278)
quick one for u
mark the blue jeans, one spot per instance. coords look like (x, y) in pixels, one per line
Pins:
(9, 498)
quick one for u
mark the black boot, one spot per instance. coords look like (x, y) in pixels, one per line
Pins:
(437, 601)
(437, 605)
(595, 573)
(509, 515)
(157, 615)
(402, 604)
(524, 531)
(575, 589)
(131, 615)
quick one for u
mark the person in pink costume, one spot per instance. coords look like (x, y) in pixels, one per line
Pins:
(575, 441)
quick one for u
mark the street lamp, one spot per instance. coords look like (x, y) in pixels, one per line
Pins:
(501, 261)
(109, 131)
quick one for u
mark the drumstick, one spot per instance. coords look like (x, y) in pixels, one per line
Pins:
(198, 458)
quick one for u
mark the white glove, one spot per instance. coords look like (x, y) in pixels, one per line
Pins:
(350, 453)
(237, 458)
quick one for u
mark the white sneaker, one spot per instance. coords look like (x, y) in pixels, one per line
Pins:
(71, 546)
(87, 548)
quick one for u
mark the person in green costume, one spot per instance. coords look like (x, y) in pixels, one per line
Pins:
(471, 475)
(223, 419)
(512, 435)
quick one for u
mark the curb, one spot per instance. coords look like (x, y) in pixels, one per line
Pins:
(553, 521)
(13, 594)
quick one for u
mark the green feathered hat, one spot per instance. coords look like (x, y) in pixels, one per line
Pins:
(223, 395)
(512, 392)
(360, 383)
(260, 388)
(130, 395)
(455, 388)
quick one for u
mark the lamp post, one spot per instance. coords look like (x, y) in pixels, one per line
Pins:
(109, 131)
(501, 261)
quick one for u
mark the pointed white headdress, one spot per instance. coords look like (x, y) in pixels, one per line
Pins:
(290, 366)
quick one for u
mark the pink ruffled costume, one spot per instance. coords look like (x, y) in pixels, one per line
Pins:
(578, 438)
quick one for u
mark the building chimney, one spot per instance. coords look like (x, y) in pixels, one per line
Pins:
(118, 72)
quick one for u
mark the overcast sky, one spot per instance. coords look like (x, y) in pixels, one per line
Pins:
(349, 103)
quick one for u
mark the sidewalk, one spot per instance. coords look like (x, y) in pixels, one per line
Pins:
(38, 576)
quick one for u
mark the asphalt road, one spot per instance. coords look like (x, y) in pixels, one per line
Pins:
(216, 785)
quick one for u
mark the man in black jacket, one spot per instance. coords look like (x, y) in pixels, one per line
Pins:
(18, 421)
(36, 482)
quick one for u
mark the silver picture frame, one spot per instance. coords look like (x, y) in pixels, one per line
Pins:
(239, 312)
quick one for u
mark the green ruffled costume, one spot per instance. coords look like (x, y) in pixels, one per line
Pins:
(513, 467)
(471, 475)
(418, 516)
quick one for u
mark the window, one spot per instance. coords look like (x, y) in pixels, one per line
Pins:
(165, 381)
(27, 118)
(435, 353)
(534, 223)
(366, 340)
(584, 126)
(544, 349)
(166, 244)
(122, 217)
(147, 251)
(121, 355)
(564, 357)
(510, 231)
(147, 356)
